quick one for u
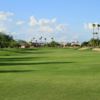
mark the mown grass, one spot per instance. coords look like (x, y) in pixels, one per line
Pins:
(49, 74)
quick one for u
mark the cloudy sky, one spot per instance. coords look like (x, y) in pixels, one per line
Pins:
(65, 20)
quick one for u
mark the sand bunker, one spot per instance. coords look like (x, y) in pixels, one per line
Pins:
(96, 49)
(84, 48)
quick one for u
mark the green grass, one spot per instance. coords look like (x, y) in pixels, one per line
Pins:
(49, 74)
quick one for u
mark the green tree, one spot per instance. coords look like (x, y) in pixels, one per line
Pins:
(6, 40)
(53, 44)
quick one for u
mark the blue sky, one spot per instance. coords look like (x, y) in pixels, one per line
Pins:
(62, 19)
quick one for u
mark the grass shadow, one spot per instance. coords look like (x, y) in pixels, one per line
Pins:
(23, 51)
(33, 63)
(19, 59)
(15, 71)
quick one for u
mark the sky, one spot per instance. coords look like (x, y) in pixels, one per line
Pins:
(65, 20)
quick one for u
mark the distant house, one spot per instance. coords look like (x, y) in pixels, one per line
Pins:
(23, 44)
(63, 44)
(36, 44)
(75, 43)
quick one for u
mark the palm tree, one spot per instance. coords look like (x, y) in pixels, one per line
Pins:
(40, 39)
(52, 39)
(36, 41)
(98, 29)
(95, 34)
(94, 26)
(45, 40)
(33, 39)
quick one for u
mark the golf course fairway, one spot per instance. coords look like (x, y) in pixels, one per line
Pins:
(49, 74)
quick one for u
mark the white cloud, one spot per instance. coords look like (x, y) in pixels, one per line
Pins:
(41, 22)
(61, 27)
(20, 22)
(54, 20)
(3, 29)
(46, 22)
(33, 22)
(32, 28)
(5, 15)
(89, 26)
(46, 29)
(5, 21)
(46, 25)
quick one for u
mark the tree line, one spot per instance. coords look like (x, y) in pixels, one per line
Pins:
(7, 41)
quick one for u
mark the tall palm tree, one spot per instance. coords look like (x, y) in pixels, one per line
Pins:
(98, 29)
(33, 39)
(52, 39)
(36, 41)
(40, 39)
(45, 40)
(94, 26)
